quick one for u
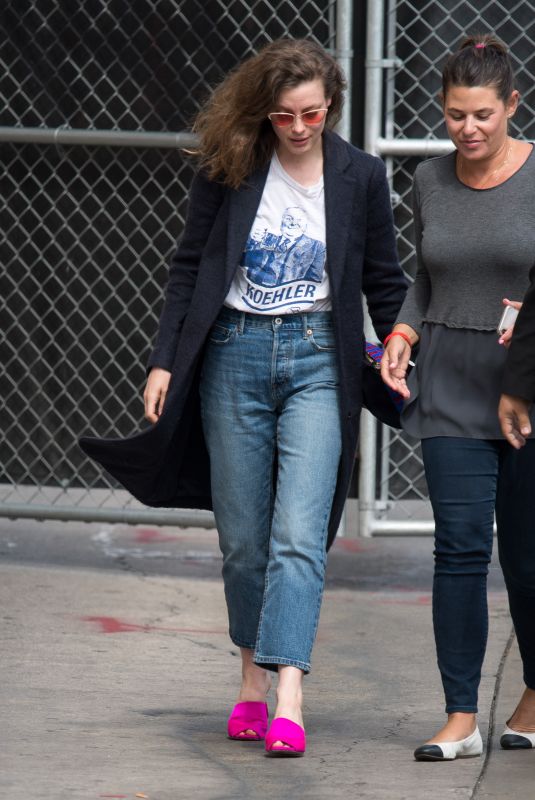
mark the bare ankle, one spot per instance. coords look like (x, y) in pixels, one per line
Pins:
(462, 717)
(459, 726)
(292, 695)
(523, 718)
(254, 688)
(256, 681)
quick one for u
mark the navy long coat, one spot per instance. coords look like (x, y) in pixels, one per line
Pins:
(167, 464)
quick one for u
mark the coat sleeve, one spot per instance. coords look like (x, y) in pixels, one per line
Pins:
(519, 375)
(383, 282)
(205, 200)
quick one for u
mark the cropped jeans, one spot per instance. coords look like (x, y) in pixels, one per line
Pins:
(270, 411)
(468, 480)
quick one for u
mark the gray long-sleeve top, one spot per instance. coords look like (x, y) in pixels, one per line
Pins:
(474, 247)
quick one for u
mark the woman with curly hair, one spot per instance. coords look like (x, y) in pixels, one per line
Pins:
(255, 376)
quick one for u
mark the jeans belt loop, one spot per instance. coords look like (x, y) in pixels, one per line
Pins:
(304, 319)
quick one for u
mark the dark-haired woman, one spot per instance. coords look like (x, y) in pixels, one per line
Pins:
(262, 321)
(474, 216)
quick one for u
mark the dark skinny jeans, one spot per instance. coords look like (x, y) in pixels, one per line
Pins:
(468, 480)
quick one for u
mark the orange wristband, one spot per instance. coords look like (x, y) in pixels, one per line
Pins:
(397, 333)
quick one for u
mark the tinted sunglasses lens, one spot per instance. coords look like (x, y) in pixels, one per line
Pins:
(313, 117)
(281, 120)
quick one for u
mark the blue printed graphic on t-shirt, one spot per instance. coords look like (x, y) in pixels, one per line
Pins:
(288, 264)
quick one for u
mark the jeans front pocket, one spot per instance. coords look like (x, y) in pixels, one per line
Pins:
(322, 339)
(221, 333)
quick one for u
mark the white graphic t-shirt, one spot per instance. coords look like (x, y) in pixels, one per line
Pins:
(282, 269)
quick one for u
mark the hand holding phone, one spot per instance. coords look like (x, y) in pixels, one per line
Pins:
(507, 319)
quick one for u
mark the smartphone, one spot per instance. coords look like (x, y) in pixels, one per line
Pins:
(507, 319)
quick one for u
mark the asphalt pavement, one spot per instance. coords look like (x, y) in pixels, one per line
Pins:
(117, 675)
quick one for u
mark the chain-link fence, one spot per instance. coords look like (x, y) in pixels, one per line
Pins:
(417, 38)
(88, 230)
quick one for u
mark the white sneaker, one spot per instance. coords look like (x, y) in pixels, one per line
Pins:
(448, 751)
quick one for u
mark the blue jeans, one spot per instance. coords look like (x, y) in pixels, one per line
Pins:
(468, 480)
(269, 400)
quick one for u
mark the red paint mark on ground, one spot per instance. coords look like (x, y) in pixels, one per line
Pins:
(114, 625)
(149, 535)
(394, 588)
(420, 600)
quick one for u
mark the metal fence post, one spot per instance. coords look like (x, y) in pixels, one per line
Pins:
(373, 102)
(344, 56)
(372, 131)
(367, 472)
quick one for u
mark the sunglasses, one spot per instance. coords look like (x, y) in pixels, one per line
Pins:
(283, 118)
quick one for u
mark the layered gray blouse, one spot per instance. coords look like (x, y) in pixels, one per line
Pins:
(474, 247)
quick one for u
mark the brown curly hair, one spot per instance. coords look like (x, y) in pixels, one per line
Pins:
(235, 136)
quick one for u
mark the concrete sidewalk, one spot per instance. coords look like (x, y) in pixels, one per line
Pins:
(118, 675)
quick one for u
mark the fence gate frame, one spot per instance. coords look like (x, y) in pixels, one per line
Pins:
(40, 502)
(379, 70)
(420, 35)
(406, 43)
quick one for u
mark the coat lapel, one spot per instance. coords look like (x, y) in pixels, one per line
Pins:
(340, 188)
(244, 204)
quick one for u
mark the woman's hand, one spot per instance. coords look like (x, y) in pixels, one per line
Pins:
(155, 392)
(505, 338)
(395, 360)
(514, 419)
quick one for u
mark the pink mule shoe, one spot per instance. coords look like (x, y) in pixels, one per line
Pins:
(248, 716)
(290, 734)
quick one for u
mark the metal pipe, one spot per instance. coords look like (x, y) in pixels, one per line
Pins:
(385, 527)
(344, 57)
(390, 83)
(413, 147)
(72, 136)
(156, 516)
(373, 105)
(384, 486)
(367, 470)
(95, 138)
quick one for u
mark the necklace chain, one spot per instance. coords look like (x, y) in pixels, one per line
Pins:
(491, 174)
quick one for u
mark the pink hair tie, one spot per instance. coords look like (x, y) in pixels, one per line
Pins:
(479, 46)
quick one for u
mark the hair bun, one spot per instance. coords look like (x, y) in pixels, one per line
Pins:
(481, 60)
(485, 41)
